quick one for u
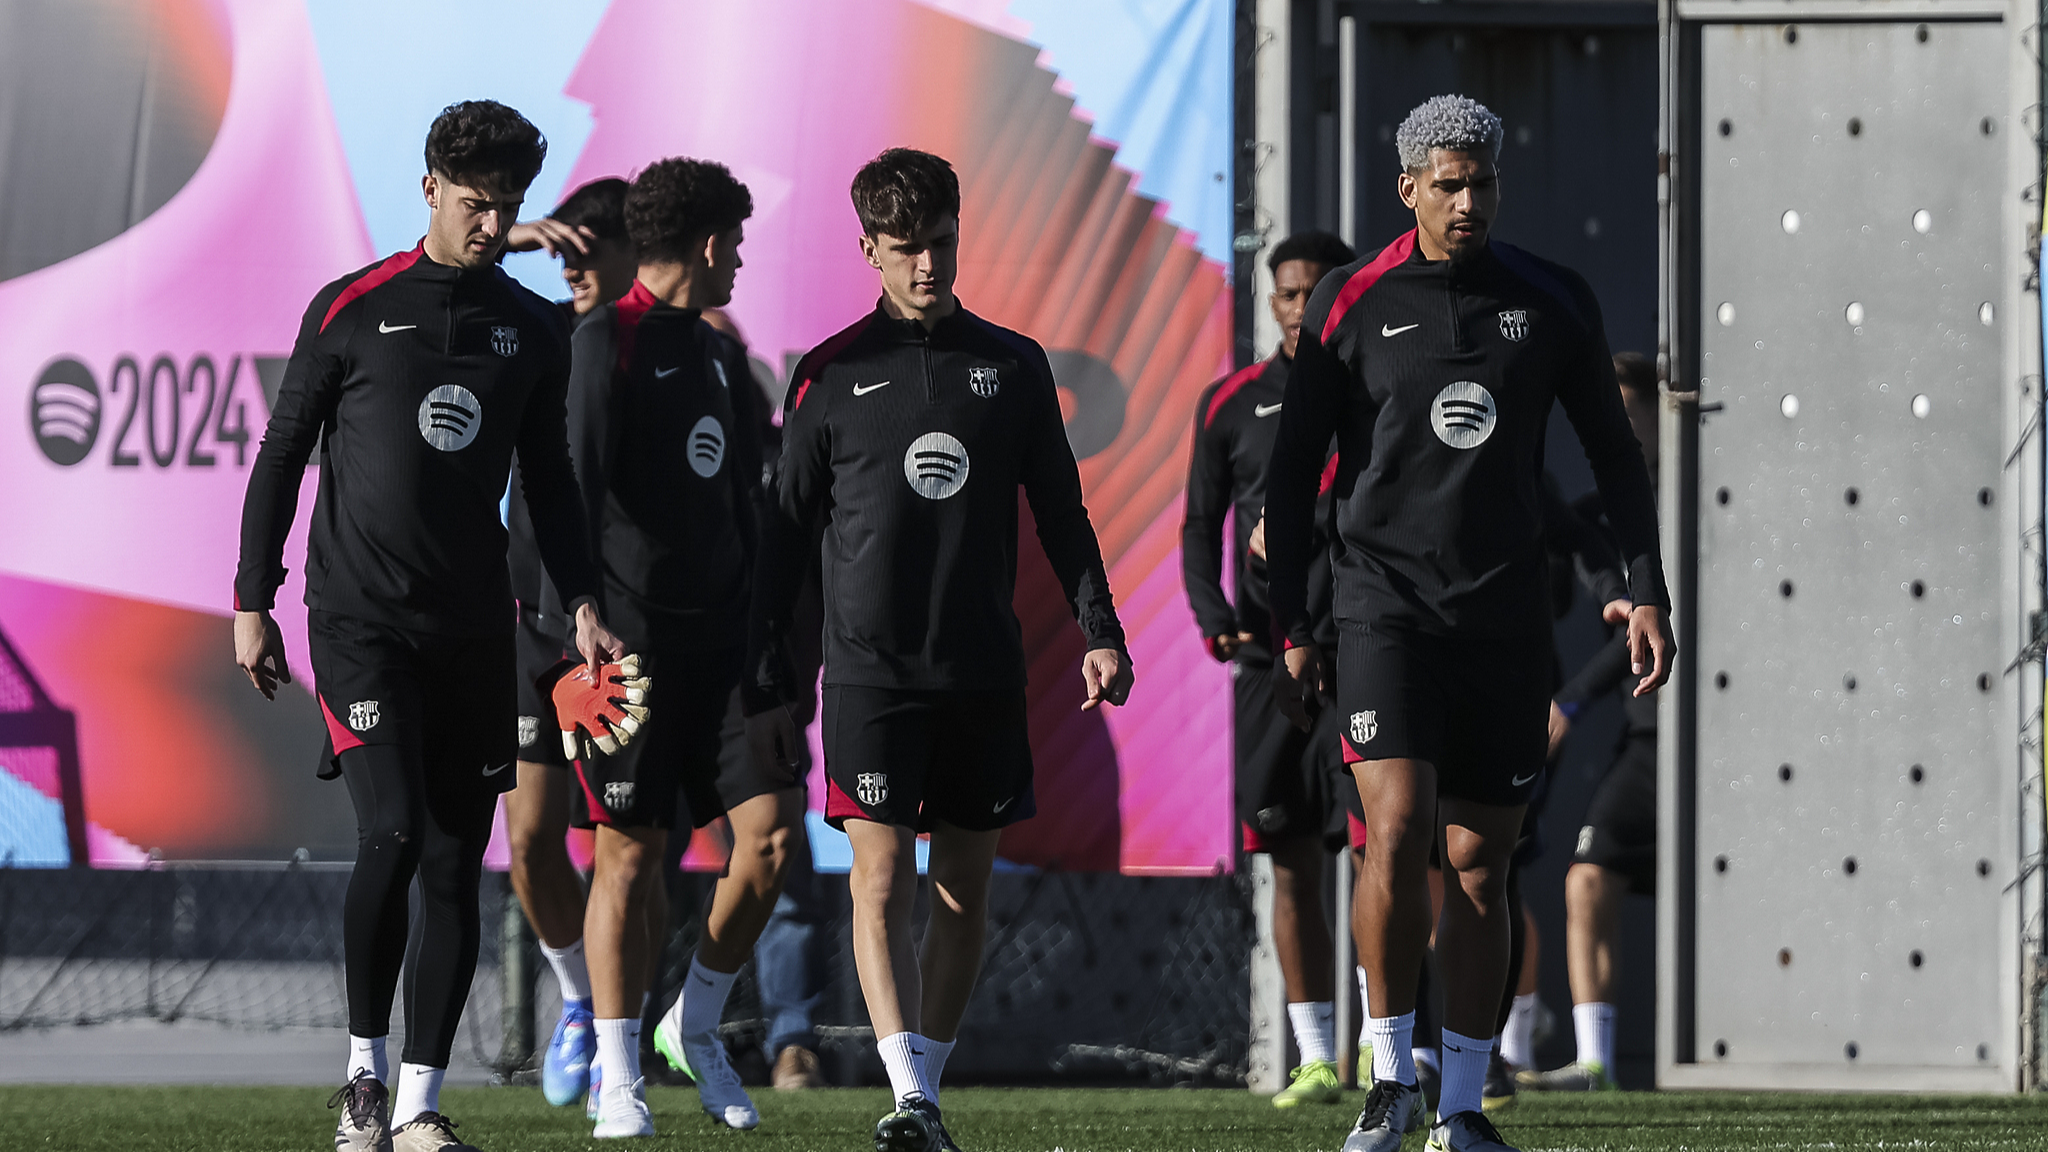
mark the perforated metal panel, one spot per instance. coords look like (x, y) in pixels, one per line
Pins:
(1855, 806)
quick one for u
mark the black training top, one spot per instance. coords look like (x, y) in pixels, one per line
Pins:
(910, 447)
(1438, 379)
(416, 381)
(522, 551)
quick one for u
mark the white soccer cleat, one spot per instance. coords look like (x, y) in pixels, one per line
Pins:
(703, 1059)
(1467, 1132)
(1391, 1111)
(428, 1132)
(622, 1112)
(365, 1124)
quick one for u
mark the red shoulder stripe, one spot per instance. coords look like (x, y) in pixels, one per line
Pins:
(1329, 476)
(1231, 386)
(814, 364)
(632, 306)
(392, 266)
(1363, 279)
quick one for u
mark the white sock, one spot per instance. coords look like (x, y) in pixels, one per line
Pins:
(1465, 1060)
(1425, 1058)
(570, 971)
(419, 1090)
(618, 1050)
(935, 1053)
(903, 1056)
(1594, 1024)
(366, 1054)
(1517, 1045)
(1315, 1029)
(1364, 997)
(1392, 1038)
(703, 999)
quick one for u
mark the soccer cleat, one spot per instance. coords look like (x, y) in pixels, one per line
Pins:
(565, 1068)
(913, 1127)
(1577, 1076)
(1313, 1083)
(428, 1132)
(365, 1124)
(623, 1112)
(1499, 1089)
(1467, 1132)
(1392, 1111)
(703, 1059)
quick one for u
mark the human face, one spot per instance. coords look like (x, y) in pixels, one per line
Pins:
(601, 276)
(1293, 282)
(917, 271)
(469, 223)
(1455, 200)
(722, 265)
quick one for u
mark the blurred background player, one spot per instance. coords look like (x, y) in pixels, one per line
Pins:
(588, 232)
(424, 371)
(1616, 853)
(1288, 782)
(908, 434)
(1446, 661)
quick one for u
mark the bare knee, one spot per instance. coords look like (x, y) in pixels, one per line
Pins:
(1588, 888)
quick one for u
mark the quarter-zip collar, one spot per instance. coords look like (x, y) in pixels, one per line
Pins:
(908, 331)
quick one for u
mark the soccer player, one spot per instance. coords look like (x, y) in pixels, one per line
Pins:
(588, 231)
(1286, 778)
(908, 434)
(416, 378)
(1436, 361)
(1616, 852)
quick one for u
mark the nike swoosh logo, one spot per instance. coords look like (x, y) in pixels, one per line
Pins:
(495, 771)
(387, 327)
(864, 389)
(1518, 781)
(705, 980)
(1387, 331)
(1003, 805)
(917, 1051)
(1265, 409)
(665, 373)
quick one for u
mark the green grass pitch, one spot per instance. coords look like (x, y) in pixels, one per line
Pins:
(101, 1119)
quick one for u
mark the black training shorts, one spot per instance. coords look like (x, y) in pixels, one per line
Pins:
(540, 738)
(1288, 782)
(677, 750)
(1477, 709)
(449, 698)
(915, 758)
(1621, 823)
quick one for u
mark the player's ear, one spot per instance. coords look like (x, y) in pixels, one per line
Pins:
(431, 189)
(1406, 186)
(870, 252)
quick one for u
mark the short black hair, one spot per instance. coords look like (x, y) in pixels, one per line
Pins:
(675, 203)
(903, 191)
(599, 206)
(1633, 371)
(1325, 248)
(482, 140)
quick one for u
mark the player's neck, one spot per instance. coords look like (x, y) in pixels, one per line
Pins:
(676, 284)
(929, 317)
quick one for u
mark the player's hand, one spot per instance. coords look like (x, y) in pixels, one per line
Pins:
(1223, 648)
(1298, 675)
(1616, 612)
(1258, 544)
(772, 738)
(598, 710)
(1560, 727)
(1108, 677)
(259, 652)
(1650, 648)
(594, 641)
(565, 241)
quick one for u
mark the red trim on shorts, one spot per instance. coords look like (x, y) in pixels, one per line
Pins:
(598, 813)
(1253, 842)
(1231, 386)
(840, 806)
(343, 737)
(1362, 280)
(1351, 755)
(1357, 829)
(375, 277)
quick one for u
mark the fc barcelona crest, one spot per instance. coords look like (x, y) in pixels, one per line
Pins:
(1514, 324)
(983, 382)
(362, 715)
(871, 787)
(505, 340)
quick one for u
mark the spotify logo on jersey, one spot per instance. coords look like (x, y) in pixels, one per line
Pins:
(64, 410)
(1463, 415)
(936, 465)
(707, 447)
(450, 417)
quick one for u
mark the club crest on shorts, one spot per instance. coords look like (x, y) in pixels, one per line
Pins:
(871, 788)
(1463, 415)
(529, 731)
(362, 715)
(505, 339)
(618, 794)
(1364, 726)
(984, 383)
(1585, 842)
(1514, 324)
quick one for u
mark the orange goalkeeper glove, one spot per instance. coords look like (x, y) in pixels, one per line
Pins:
(601, 714)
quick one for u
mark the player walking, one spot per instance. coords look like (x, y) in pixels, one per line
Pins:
(416, 378)
(1286, 778)
(1436, 362)
(908, 434)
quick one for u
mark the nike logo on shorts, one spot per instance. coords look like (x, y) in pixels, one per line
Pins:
(864, 389)
(1265, 409)
(490, 771)
(1518, 781)
(1003, 805)
(665, 373)
(386, 327)
(1388, 331)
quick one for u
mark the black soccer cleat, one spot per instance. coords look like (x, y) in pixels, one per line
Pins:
(913, 1127)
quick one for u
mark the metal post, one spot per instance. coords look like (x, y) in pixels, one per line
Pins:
(1266, 1066)
(517, 971)
(1342, 964)
(1270, 157)
(1347, 146)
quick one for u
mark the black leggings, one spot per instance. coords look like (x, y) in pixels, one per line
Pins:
(401, 830)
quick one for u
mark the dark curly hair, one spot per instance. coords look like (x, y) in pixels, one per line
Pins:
(903, 191)
(599, 206)
(482, 140)
(675, 203)
(1323, 248)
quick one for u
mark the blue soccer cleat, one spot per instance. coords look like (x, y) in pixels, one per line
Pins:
(565, 1068)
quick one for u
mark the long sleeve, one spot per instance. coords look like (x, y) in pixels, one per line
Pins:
(548, 478)
(1592, 554)
(788, 546)
(306, 400)
(1316, 397)
(1201, 531)
(1052, 483)
(745, 470)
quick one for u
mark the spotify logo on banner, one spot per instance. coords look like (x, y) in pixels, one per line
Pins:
(450, 417)
(64, 412)
(936, 465)
(707, 447)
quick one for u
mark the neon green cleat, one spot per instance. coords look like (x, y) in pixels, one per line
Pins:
(1578, 1076)
(1313, 1083)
